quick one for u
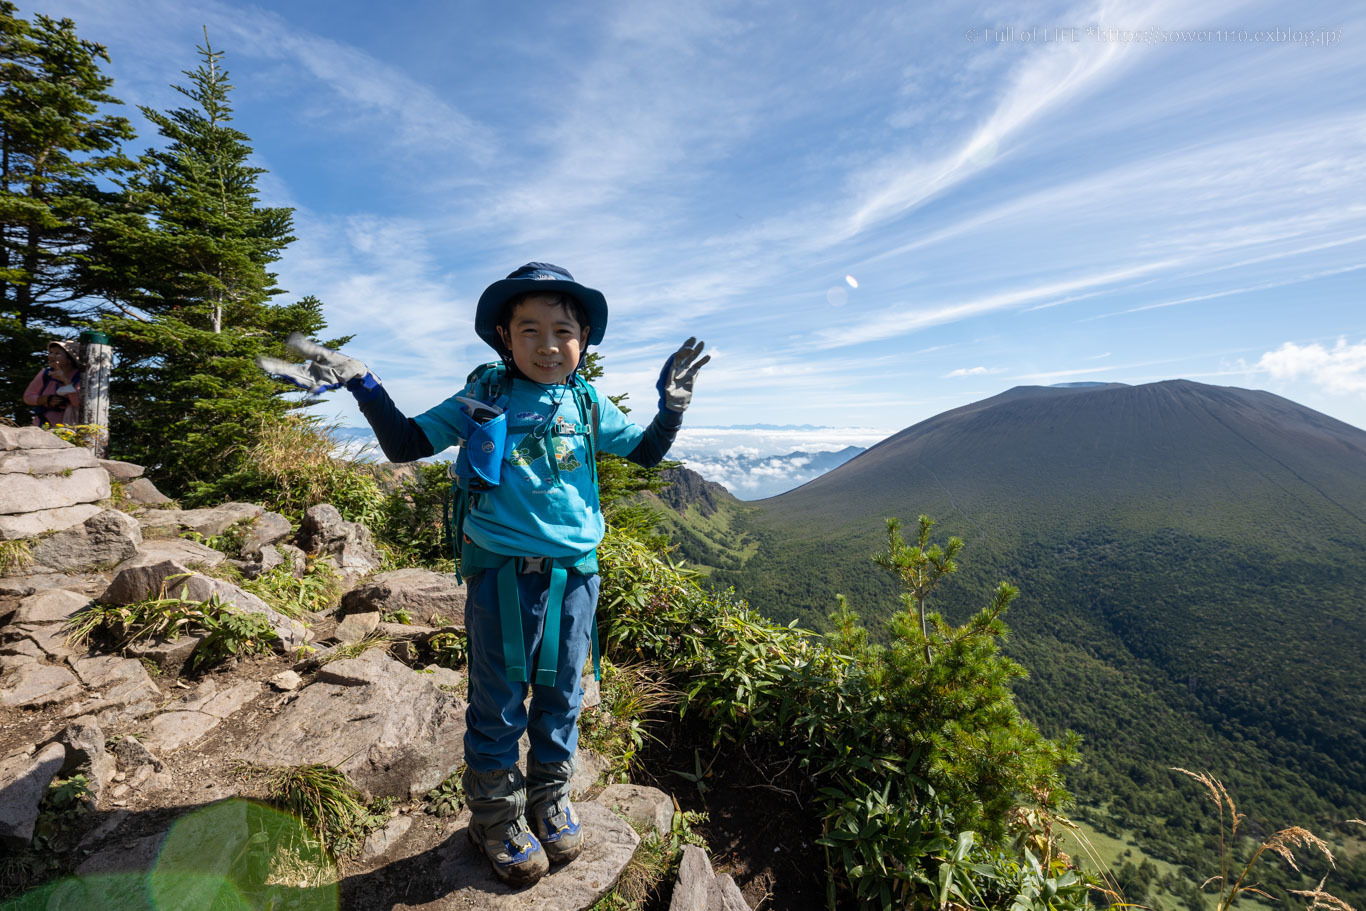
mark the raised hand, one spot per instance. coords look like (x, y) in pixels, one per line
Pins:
(676, 379)
(324, 371)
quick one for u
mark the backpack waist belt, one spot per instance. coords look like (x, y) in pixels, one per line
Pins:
(476, 559)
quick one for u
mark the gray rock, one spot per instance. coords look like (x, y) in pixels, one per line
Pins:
(592, 690)
(172, 730)
(51, 606)
(220, 703)
(105, 539)
(166, 652)
(30, 438)
(645, 807)
(420, 592)
(404, 631)
(269, 528)
(42, 521)
(24, 779)
(267, 559)
(382, 840)
(22, 647)
(286, 681)
(9, 662)
(133, 753)
(23, 493)
(121, 681)
(321, 526)
(121, 471)
(182, 550)
(85, 754)
(207, 522)
(452, 681)
(144, 493)
(725, 895)
(382, 723)
(37, 685)
(607, 849)
(694, 881)
(356, 627)
(45, 461)
(49, 637)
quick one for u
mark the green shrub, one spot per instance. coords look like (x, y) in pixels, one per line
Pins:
(917, 752)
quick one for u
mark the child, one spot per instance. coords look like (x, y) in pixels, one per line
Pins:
(529, 540)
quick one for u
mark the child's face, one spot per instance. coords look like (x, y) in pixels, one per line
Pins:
(545, 339)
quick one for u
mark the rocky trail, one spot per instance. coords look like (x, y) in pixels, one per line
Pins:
(175, 764)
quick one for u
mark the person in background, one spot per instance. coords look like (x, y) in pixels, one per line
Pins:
(55, 392)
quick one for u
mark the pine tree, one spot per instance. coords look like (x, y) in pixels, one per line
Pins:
(189, 261)
(54, 147)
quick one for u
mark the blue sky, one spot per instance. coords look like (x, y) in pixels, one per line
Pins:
(871, 212)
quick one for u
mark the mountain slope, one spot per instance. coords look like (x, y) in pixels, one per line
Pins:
(1191, 562)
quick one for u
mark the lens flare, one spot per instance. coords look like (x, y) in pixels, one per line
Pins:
(851, 281)
(837, 296)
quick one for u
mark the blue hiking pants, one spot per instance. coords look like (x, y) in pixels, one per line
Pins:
(497, 714)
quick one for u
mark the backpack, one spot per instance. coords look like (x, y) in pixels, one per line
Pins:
(488, 383)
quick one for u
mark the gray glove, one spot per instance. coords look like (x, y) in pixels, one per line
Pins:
(676, 379)
(325, 370)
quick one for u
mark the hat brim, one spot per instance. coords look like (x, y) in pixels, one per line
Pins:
(500, 292)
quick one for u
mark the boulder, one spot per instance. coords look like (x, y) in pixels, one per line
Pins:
(269, 528)
(190, 719)
(267, 558)
(382, 840)
(105, 539)
(322, 524)
(54, 605)
(144, 493)
(190, 554)
(694, 881)
(347, 545)
(29, 493)
(420, 592)
(86, 755)
(118, 682)
(356, 627)
(725, 895)
(30, 438)
(45, 461)
(388, 727)
(207, 522)
(24, 779)
(35, 685)
(645, 807)
(121, 471)
(41, 521)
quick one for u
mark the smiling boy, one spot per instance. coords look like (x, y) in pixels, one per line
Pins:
(528, 542)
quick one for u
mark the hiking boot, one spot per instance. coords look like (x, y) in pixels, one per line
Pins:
(516, 855)
(560, 833)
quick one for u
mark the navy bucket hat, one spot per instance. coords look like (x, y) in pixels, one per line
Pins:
(537, 278)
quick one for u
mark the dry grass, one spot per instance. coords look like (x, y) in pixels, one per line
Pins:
(1232, 882)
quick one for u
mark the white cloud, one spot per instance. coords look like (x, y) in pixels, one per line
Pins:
(1340, 370)
(973, 371)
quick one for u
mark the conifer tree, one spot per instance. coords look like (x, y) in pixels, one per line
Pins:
(189, 260)
(55, 144)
